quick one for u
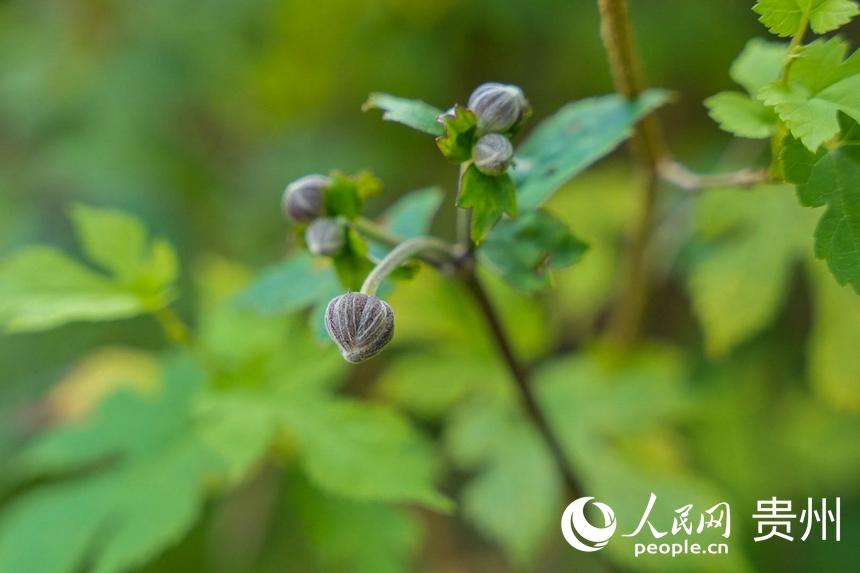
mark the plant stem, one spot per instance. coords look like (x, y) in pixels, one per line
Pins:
(521, 377)
(464, 218)
(649, 149)
(792, 47)
(400, 254)
(376, 232)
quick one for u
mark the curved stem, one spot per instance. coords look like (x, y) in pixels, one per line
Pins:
(400, 254)
(521, 377)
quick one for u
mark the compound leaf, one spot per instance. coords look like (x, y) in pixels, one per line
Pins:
(819, 85)
(783, 17)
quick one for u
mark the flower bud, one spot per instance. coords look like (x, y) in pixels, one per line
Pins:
(361, 325)
(303, 198)
(325, 237)
(498, 107)
(492, 154)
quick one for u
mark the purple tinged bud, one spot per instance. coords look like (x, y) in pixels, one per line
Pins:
(303, 199)
(325, 237)
(498, 107)
(361, 325)
(492, 154)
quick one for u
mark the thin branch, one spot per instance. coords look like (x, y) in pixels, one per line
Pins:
(521, 376)
(679, 175)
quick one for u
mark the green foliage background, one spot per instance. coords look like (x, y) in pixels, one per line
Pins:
(117, 449)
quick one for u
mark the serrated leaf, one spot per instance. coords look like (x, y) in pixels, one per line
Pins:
(573, 138)
(515, 497)
(523, 250)
(342, 197)
(738, 283)
(410, 112)
(460, 127)
(759, 64)
(118, 243)
(365, 452)
(741, 115)
(819, 85)
(608, 410)
(42, 288)
(352, 536)
(830, 178)
(488, 197)
(783, 17)
(147, 499)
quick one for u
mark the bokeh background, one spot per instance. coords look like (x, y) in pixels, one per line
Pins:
(195, 114)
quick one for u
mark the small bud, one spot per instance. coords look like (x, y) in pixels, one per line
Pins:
(498, 107)
(303, 198)
(360, 324)
(492, 154)
(325, 237)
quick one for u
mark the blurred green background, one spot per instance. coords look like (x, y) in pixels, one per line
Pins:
(195, 114)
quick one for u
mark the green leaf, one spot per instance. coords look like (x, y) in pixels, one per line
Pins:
(753, 240)
(412, 215)
(352, 264)
(515, 497)
(523, 250)
(573, 138)
(834, 363)
(617, 419)
(410, 112)
(819, 85)
(783, 17)
(343, 197)
(460, 127)
(830, 178)
(117, 242)
(298, 283)
(759, 64)
(352, 536)
(741, 115)
(366, 452)
(488, 197)
(147, 499)
(42, 288)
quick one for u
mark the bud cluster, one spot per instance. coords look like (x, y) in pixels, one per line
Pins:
(500, 109)
(304, 204)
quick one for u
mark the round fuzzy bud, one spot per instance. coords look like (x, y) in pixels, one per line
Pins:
(498, 107)
(492, 154)
(325, 238)
(303, 198)
(360, 324)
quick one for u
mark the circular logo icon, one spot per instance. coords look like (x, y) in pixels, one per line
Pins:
(581, 534)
